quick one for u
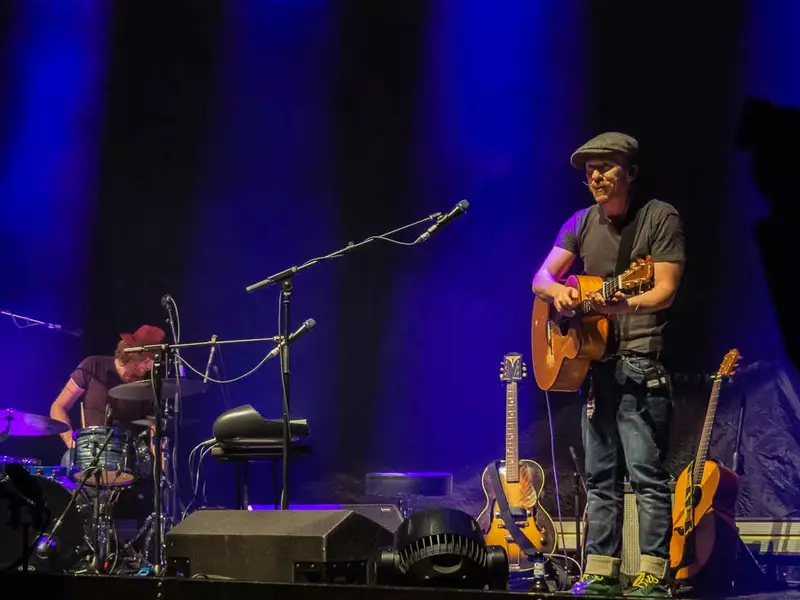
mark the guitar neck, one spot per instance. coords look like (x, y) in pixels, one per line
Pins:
(512, 434)
(609, 288)
(705, 437)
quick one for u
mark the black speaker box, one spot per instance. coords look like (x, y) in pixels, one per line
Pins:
(387, 515)
(315, 546)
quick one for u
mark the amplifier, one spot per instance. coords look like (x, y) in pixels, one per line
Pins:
(630, 532)
(291, 546)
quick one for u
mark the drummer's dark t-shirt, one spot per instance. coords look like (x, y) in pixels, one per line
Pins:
(97, 375)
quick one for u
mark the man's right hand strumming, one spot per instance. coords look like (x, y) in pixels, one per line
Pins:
(565, 299)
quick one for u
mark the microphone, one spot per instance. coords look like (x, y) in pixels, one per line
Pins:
(458, 210)
(307, 325)
(57, 327)
(52, 326)
(210, 357)
(166, 299)
(47, 544)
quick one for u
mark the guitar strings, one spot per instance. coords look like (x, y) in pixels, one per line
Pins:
(584, 306)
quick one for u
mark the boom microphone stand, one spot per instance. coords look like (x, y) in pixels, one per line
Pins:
(167, 301)
(580, 481)
(285, 279)
(160, 359)
(29, 322)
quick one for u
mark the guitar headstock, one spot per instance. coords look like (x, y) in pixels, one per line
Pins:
(513, 367)
(727, 367)
(638, 277)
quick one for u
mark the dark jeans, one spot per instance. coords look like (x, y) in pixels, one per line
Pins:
(628, 431)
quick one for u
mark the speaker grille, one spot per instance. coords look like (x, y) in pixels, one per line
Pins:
(631, 551)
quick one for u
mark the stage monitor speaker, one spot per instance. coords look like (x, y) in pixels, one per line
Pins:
(303, 546)
(387, 515)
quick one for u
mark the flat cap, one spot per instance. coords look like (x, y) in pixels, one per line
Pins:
(610, 142)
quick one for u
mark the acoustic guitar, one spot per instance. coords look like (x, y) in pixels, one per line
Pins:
(705, 489)
(512, 517)
(564, 347)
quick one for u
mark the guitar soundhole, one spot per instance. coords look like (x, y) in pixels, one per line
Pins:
(558, 322)
(697, 495)
(563, 326)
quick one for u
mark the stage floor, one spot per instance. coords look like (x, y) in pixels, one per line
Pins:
(93, 587)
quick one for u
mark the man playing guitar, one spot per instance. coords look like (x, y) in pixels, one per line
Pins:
(628, 413)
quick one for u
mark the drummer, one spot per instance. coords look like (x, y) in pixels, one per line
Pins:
(96, 375)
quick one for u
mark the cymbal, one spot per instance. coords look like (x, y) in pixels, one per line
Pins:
(151, 420)
(28, 425)
(142, 391)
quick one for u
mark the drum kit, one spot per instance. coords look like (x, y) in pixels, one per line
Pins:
(61, 518)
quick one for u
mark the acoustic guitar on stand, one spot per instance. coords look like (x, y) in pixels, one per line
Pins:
(564, 347)
(705, 489)
(512, 517)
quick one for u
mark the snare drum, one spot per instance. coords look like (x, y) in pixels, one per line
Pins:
(69, 545)
(117, 461)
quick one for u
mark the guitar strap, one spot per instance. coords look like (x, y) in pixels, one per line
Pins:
(629, 228)
(505, 512)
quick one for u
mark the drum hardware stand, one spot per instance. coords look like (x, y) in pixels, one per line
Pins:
(285, 279)
(102, 525)
(149, 524)
(48, 542)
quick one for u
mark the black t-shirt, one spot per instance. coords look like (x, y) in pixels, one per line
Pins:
(97, 375)
(590, 235)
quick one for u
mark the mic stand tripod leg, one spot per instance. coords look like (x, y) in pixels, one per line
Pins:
(148, 530)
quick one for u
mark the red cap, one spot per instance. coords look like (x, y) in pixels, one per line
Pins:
(145, 335)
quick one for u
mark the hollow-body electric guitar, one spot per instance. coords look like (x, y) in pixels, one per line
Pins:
(564, 347)
(705, 489)
(512, 517)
